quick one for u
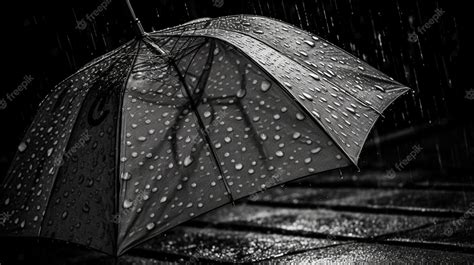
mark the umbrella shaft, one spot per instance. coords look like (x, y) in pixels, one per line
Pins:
(136, 21)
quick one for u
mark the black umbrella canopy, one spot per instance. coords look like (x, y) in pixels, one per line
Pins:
(181, 121)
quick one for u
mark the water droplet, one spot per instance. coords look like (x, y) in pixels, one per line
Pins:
(239, 166)
(316, 150)
(188, 161)
(126, 176)
(163, 199)
(307, 96)
(22, 147)
(296, 135)
(299, 116)
(127, 204)
(86, 208)
(310, 43)
(150, 226)
(351, 110)
(380, 88)
(241, 93)
(265, 86)
(315, 76)
(279, 153)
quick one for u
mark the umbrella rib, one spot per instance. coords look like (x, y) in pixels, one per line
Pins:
(203, 130)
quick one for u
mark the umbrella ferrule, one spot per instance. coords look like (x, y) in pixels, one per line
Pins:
(139, 28)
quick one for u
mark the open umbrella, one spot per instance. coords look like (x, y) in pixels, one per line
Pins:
(180, 121)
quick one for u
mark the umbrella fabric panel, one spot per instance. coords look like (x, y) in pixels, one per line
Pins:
(84, 203)
(345, 115)
(37, 188)
(260, 134)
(332, 64)
(168, 175)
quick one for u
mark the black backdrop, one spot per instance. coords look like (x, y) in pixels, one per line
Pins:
(43, 40)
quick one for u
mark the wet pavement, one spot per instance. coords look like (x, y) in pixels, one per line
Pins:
(376, 254)
(298, 224)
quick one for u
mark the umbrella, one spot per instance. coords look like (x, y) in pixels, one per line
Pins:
(183, 120)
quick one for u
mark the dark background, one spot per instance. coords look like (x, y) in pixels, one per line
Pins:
(41, 39)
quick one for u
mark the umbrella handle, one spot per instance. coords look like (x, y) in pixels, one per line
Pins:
(138, 24)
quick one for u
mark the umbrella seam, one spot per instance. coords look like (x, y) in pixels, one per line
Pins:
(119, 145)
